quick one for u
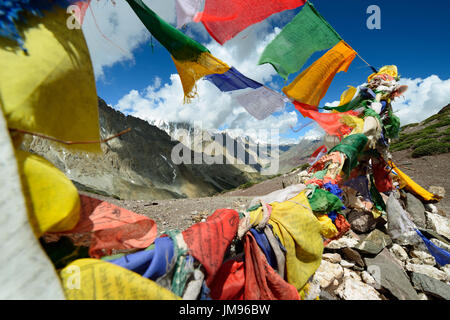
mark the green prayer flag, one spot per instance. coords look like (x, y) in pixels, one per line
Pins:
(351, 146)
(307, 33)
(180, 46)
(323, 201)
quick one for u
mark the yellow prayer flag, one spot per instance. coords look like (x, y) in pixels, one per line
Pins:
(413, 186)
(52, 199)
(300, 233)
(311, 85)
(347, 95)
(51, 90)
(389, 70)
(92, 279)
(191, 71)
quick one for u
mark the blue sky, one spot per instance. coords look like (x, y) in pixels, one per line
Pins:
(414, 36)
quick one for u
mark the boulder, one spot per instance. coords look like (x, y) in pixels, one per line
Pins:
(361, 221)
(353, 256)
(416, 209)
(327, 273)
(374, 242)
(347, 264)
(349, 240)
(399, 252)
(348, 273)
(423, 257)
(351, 289)
(391, 276)
(332, 257)
(400, 227)
(430, 286)
(367, 278)
(427, 270)
(439, 224)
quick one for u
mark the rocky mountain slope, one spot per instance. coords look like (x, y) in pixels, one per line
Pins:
(138, 165)
(429, 137)
(255, 155)
(298, 154)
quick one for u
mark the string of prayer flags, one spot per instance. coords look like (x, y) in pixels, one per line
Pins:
(192, 60)
(307, 33)
(311, 85)
(225, 19)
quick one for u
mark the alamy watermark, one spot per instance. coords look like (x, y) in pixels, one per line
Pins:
(75, 19)
(73, 280)
(374, 20)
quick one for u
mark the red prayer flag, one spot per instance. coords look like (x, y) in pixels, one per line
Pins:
(330, 122)
(208, 241)
(225, 19)
(110, 227)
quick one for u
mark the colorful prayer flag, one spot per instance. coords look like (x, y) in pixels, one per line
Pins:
(311, 85)
(330, 122)
(261, 102)
(225, 19)
(50, 90)
(256, 98)
(307, 33)
(192, 60)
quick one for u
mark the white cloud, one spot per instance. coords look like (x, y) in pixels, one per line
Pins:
(114, 31)
(315, 133)
(213, 108)
(424, 98)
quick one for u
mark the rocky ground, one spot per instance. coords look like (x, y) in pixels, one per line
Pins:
(365, 264)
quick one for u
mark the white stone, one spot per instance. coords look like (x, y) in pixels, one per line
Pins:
(399, 252)
(332, 257)
(347, 264)
(351, 274)
(439, 224)
(327, 273)
(369, 279)
(350, 240)
(424, 257)
(431, 208)
(427, 270)
(352, 289)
